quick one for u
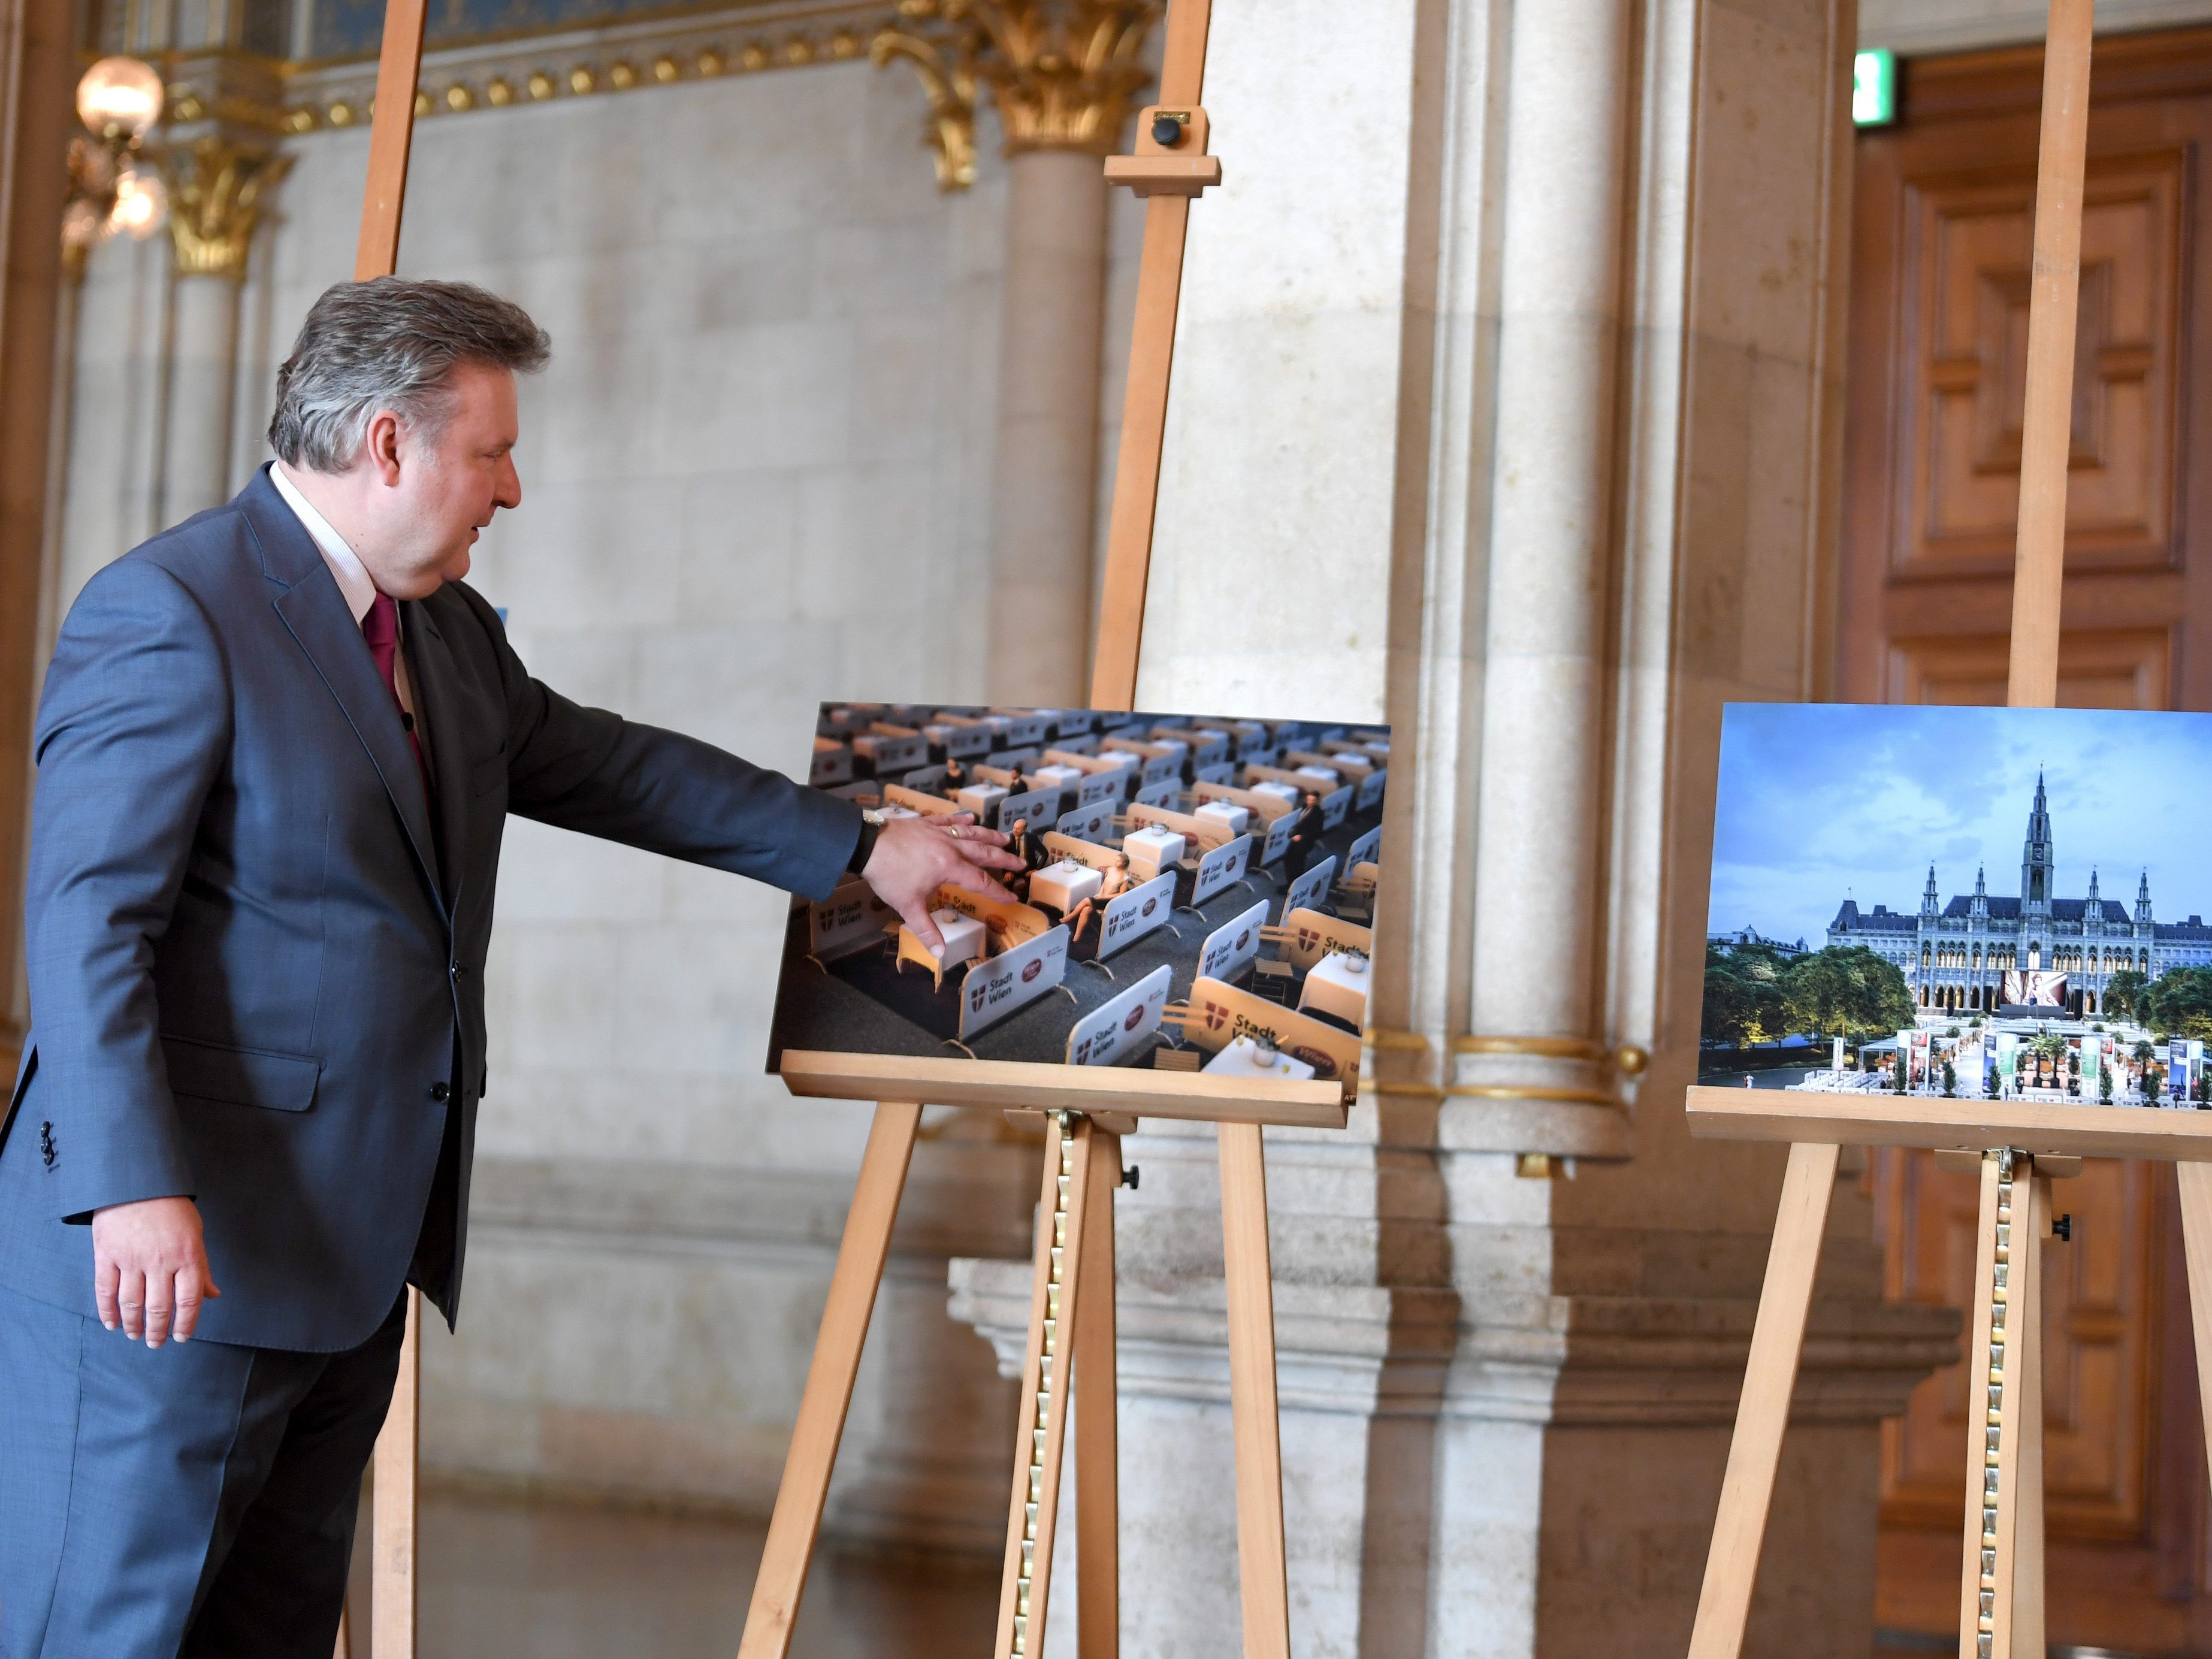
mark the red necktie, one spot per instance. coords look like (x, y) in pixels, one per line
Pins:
(380, 626)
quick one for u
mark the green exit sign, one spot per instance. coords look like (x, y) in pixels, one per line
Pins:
(1874, 88)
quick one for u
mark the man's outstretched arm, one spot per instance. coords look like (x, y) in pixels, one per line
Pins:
(591, 771)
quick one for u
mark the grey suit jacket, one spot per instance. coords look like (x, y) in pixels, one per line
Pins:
(256, 942)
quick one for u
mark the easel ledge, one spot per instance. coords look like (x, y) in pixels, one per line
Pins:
(1933, 1123)
(1029, 1085)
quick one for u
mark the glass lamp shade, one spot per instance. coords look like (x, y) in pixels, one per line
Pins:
(120, 96)
(142, 203)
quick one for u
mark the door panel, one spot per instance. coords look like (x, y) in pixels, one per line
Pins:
(2115, 668)
(1968, 254)
(1944, 221)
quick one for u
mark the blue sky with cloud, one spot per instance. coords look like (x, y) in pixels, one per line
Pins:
(1819, 799)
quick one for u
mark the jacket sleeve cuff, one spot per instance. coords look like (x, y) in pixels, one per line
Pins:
(124, 1176)
(828, 830)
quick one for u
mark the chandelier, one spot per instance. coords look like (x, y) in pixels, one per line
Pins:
(112, 185)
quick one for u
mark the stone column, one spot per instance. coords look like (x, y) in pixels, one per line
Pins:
(1063, 75)
(1532, 1071)
(216, 188)
(1043, 524)
(204, 350)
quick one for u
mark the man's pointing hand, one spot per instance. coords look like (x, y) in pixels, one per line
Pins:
(913, 857)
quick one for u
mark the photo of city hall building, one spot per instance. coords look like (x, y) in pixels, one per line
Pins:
(1954, 956)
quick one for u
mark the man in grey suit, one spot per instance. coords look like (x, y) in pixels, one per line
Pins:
(277, 748)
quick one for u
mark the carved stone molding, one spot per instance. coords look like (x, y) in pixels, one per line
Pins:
(215, 191)
(696, 43)
(1063, 74)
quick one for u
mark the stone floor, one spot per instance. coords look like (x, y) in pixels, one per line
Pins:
(512, 1581)
(507, 1580)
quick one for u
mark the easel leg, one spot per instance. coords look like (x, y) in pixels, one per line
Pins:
(1097, 1472)
(797, 1521)
(392, 1524)
(2196, 1181)
(2003, 1447)
(1062, 1212)
(2027, 1597)
(1981, 1535)
(1260, 1552)
(1777, 1339)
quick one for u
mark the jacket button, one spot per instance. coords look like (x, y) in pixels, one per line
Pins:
(439, 1091)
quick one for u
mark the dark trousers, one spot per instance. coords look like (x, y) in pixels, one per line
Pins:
(195, 1500)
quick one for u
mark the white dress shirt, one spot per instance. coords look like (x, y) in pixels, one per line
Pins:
(351, 575)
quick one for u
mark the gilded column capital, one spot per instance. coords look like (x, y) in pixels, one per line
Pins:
(1063, 74)
(216, 189)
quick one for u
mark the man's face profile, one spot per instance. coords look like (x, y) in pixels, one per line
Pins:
(439, 483)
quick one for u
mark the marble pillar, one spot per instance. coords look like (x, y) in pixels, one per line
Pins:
(1543, 1082)
(110, 469)
(1042, 523)
(202, 377)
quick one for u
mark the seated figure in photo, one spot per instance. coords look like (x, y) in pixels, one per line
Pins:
(1115, 884)
(1026, 842)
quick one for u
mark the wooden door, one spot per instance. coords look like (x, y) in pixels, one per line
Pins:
(1945, 206)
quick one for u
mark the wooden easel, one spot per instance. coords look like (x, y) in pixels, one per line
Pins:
(1086, 1114)
(2017, 1147)
(391, 1526)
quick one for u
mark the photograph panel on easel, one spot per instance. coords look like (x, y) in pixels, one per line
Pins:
(1971, 904)
(1197, 893)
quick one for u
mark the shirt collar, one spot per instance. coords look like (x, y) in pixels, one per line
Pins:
(352, 576)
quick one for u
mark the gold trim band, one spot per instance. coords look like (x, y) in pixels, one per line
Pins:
(1552, 1048)
(1391, 1038)
(1410, 1091)
(1512, 1091)
(1631, 1060)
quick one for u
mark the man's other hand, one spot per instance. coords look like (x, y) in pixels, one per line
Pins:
(913, 857)
(149, 1268)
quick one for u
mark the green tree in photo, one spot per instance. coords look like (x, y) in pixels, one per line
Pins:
(1744, 996)
(2179, 1002)
(2123, 993)
(1902, 1080)
(1950, 1082)
(2105, 1084)
(1845, 990)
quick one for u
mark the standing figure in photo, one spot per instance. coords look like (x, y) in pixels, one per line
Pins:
(1305, 836)
(278, 748)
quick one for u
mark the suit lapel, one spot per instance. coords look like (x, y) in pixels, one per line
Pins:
(315, 611)
(430, 665)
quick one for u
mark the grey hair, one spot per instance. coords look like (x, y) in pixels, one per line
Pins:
(390, 343)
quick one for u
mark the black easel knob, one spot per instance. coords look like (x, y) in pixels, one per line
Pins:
(2064, 1228)
(1129, 1177)
(1167, 130)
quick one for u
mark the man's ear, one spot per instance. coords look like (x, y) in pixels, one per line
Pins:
(380, 445)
